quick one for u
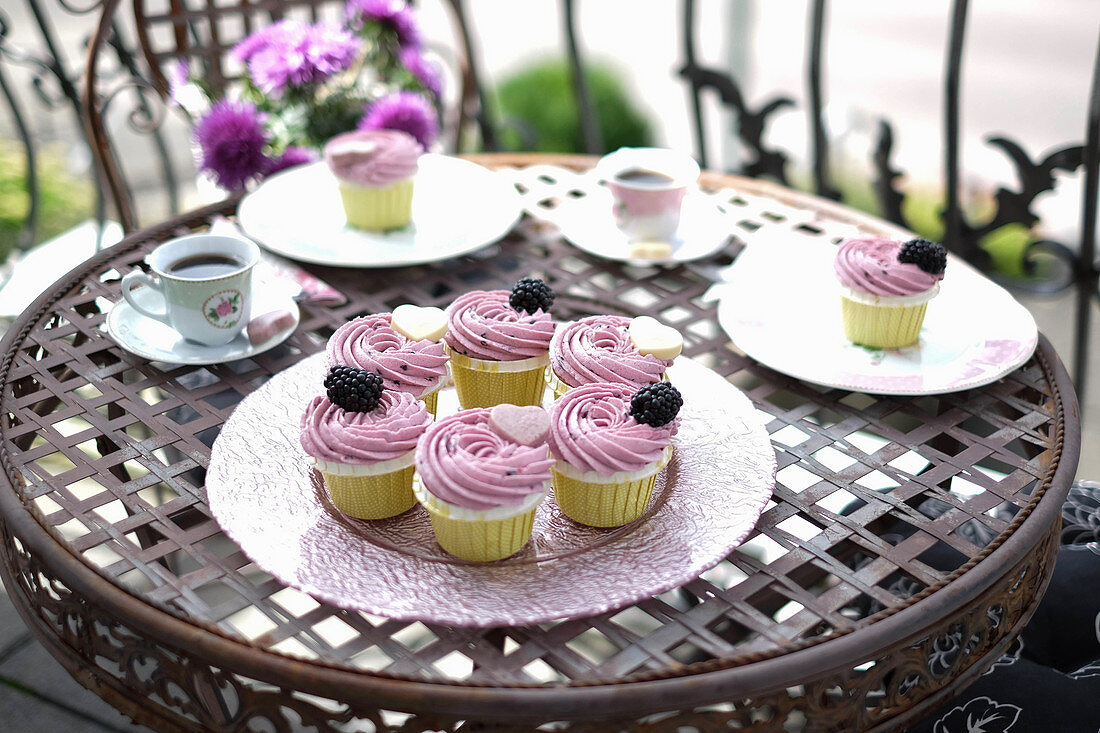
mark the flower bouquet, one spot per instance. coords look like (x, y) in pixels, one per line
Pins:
(305, 83)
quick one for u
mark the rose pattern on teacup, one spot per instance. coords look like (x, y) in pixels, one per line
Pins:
(223, 309)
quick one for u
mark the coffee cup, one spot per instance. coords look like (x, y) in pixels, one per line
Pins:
(200, 285)
(648, 185)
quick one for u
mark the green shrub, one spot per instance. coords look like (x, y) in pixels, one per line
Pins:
(64, 200)
(540, 99)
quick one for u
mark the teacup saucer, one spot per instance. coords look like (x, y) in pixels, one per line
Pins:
(157, 341)
(584, 217)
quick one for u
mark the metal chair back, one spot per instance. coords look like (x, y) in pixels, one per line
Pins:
(203, 32)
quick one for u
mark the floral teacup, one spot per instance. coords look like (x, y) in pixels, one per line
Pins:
(205, 283)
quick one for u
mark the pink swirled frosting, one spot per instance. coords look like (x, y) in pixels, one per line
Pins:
(599, 349)
(464, 462)
(482, 325)
(591, 429)
(371, 343)
(871, 266)
(389, 431)
(373, 157)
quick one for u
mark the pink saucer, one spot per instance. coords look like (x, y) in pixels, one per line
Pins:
(268, 499)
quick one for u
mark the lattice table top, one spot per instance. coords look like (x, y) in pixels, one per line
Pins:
(107, 451)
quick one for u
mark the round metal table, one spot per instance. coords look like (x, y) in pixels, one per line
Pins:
(828, 618)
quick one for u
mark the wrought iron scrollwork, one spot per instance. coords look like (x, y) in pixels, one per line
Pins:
(1015, 207)
(144, 117)
(92, 7)
(763, 160)
(53, 83)
(963, 235)
(1012, 206)
(886, 176)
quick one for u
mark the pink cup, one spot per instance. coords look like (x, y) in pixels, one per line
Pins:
(648, 185)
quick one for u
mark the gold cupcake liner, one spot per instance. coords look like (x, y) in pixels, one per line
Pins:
(600, 504)
(431, 401)
(556, 383)
(378, 209)
(372, 496)
(482, 541)
(882, 326)
(478, 384)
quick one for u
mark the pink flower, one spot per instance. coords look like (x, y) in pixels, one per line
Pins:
(225, 308)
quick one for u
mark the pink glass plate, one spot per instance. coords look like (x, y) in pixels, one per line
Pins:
(268, 499)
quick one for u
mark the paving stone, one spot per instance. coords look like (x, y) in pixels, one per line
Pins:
(33, 667)
(12, 627)
(23, 713)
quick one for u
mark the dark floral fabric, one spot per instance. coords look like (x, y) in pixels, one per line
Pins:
(1049, 679)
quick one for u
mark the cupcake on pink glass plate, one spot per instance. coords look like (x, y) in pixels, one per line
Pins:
(885, 288)
(374, 170)
(483, 472)
(499, 344)
(404, 347)
(362, 438)
(610, 442)
(635, 352)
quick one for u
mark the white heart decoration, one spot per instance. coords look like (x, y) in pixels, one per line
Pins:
(418, 323)
(524, 425)
(650, 336)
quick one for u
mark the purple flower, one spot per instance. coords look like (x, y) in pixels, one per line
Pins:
(232, 138)
(424, 72)
(255, 42)
(178, 78)
(290, 54)
(393, 15)
(291, 157)
(405, 111)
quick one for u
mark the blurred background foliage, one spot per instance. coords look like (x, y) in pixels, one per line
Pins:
(65, 199)
(539, 113)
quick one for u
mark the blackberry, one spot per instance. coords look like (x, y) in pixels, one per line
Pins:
(928, 256)
(355, 390)
(530, 294)
(656, 404)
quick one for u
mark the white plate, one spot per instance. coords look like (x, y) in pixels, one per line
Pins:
(457, 207)
(587, 221)
(781, 306)
(157, 341)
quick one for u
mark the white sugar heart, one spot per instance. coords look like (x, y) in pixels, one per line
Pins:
(418, 323)
(650, 336)
(524, 425)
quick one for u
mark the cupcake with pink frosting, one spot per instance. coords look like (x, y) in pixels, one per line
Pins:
(483, 472)
(885, 288)
(499, 342)
(610, 442)
(362, 438)
(407, 360)
(601, 349)
(374, 170)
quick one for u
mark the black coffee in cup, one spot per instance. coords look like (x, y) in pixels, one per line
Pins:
(644, 177)
(204, 266)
